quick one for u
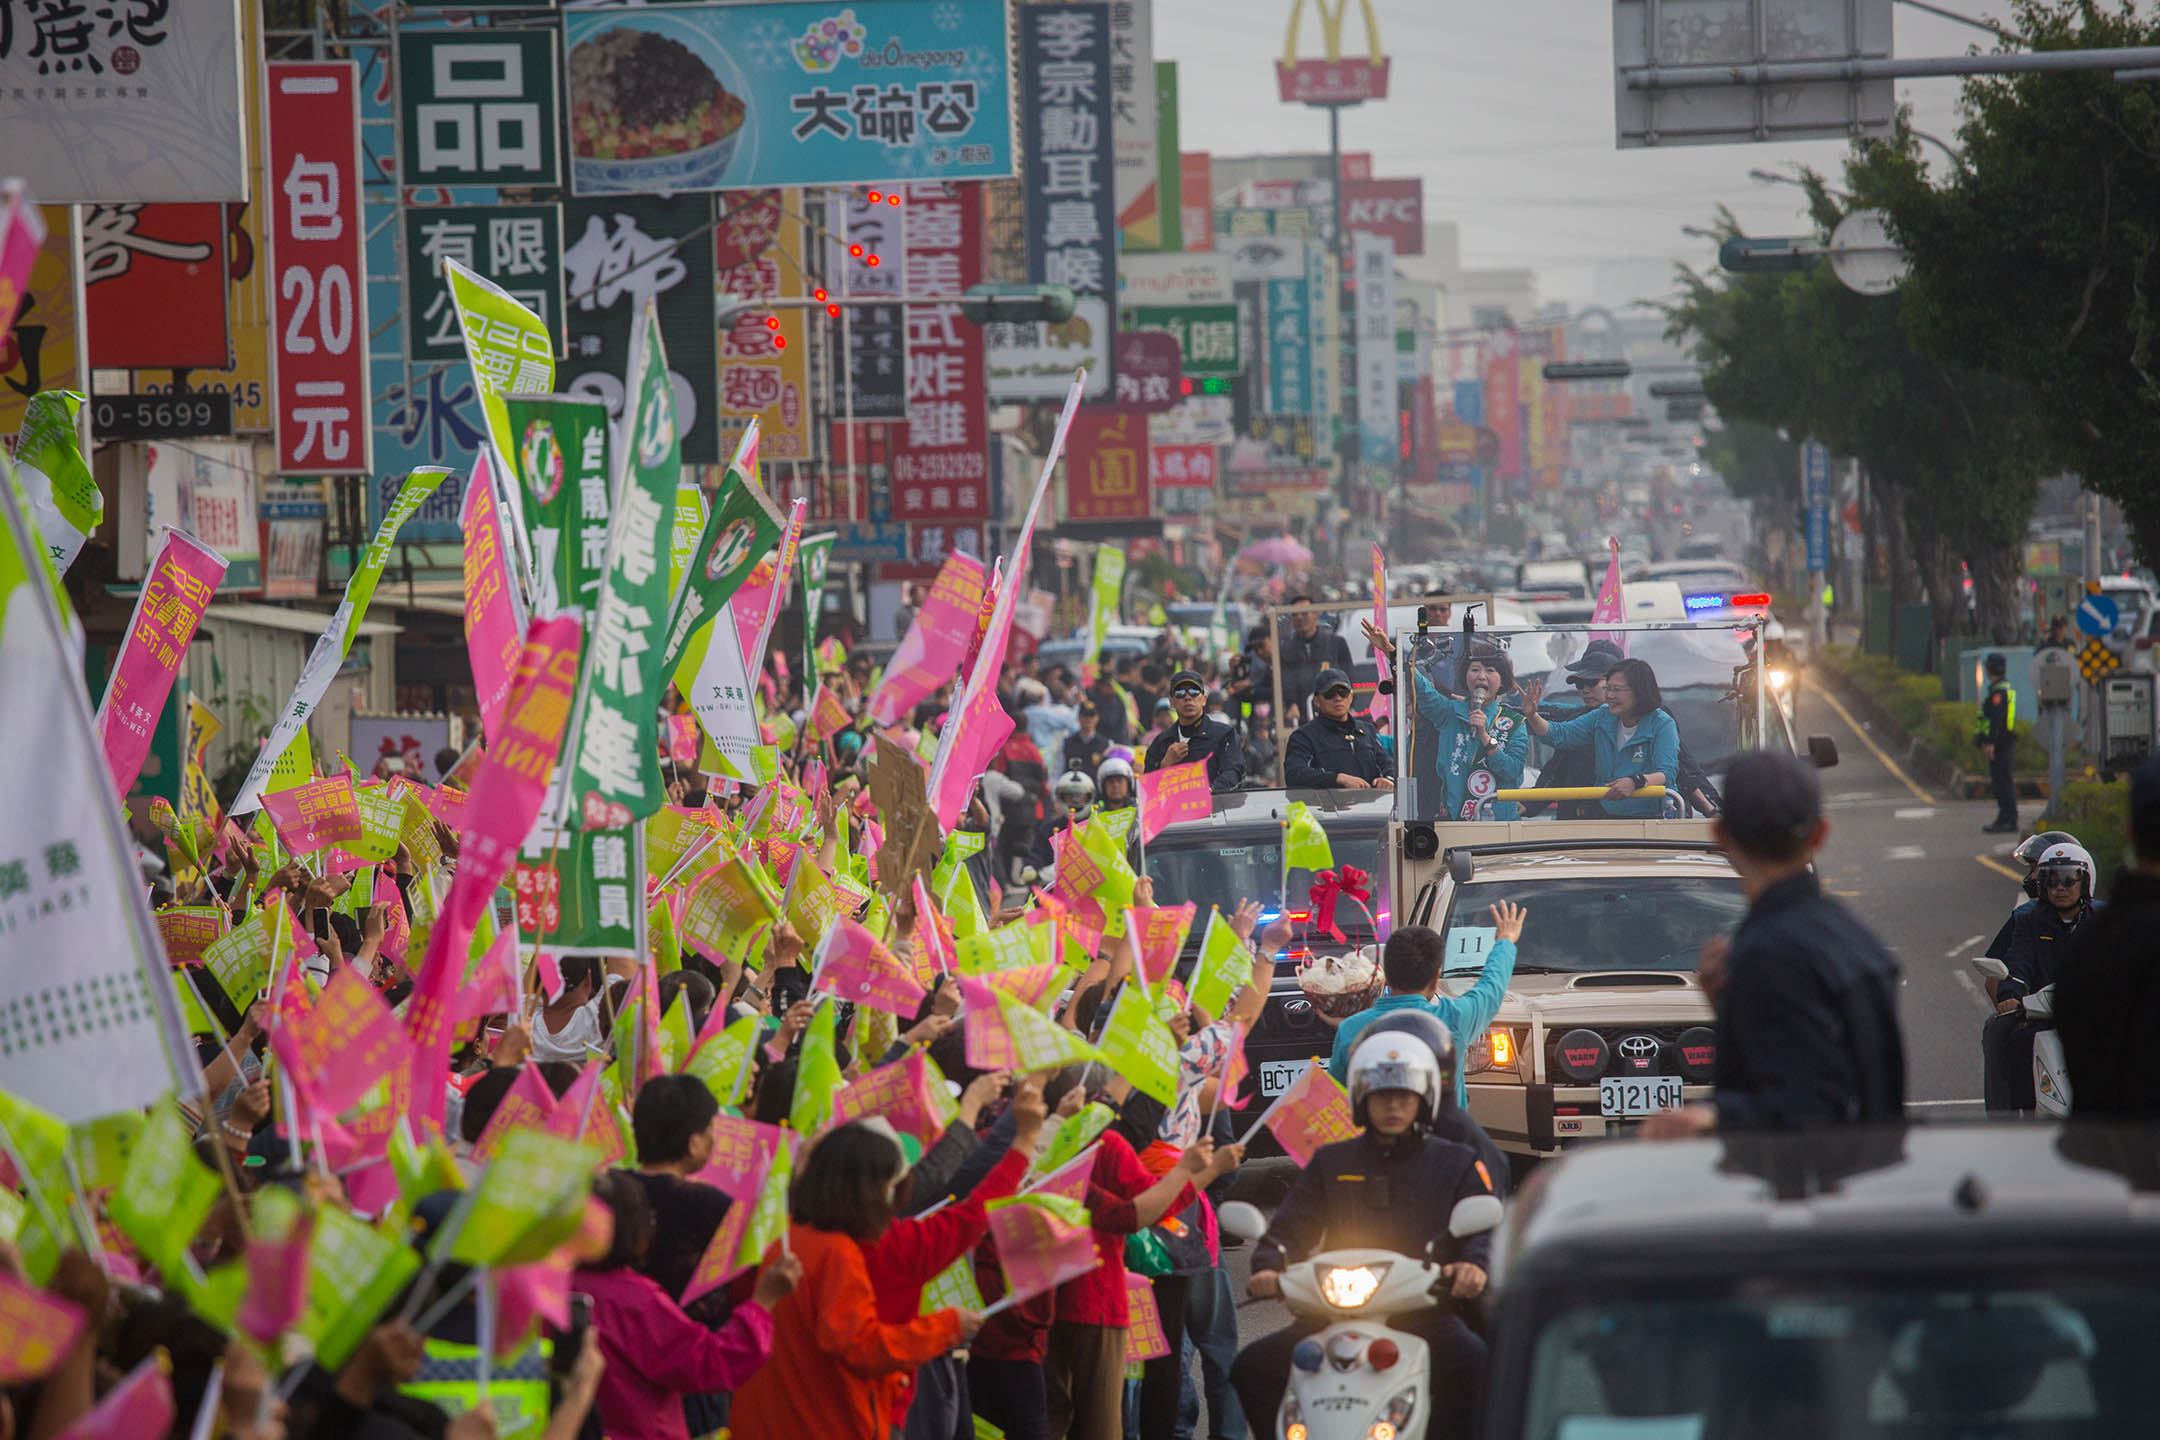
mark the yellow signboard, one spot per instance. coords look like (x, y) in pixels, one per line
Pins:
(46, 350)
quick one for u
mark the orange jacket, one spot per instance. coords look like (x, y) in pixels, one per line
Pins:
(836, 1369)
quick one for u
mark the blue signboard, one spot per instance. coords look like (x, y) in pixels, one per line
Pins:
(1470, 401)
(668, 98)
(1290, 344)
(2097, 615)
(1815, 477)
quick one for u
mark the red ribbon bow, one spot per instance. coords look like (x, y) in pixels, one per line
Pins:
(1327, 886)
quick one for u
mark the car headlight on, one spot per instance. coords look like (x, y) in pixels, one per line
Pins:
(1780, 680)
(1494, 1051)
(1348, 1286)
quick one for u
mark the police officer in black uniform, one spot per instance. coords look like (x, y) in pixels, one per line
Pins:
(1336, 750)
(1193, 736)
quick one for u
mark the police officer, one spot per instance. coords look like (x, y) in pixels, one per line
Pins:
(1337, 750)
(1075, 795)
(1390, 1188)
(1995, 730)
(2039, 934)
(1193, 736)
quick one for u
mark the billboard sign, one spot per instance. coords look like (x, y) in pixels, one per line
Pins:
(668, 98)
(1148, 366)
(1394, 208)
(1106, 464)
(319, 249)
(45, 349)
(1135, 139)
(1377, 401)
(124, 101)
(518, 247)
(764, 371)
(154, 286)
(479, 107)
(622, 252)
(876, 373)
(941, 468)
(1334, 78)
(1206, 335)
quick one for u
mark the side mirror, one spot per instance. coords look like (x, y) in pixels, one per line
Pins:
(1475, 1216)
(1822, 750)
(1245, 1220)
(1459, 866)
(1989, 966)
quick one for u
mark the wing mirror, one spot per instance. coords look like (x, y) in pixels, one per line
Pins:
(1822, 750)
(1245, 1220)
(1475, 1216)
(1459, 866)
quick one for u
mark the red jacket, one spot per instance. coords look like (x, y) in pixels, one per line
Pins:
(835, 1366)
(1118, 1179)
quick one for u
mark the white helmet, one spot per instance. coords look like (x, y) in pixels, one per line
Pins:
(1394, 1059)
(1075, 790)
(1114, 768)
(2066, 855)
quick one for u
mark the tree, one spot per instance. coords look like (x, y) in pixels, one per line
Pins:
(2036, 259)
(1953, 452)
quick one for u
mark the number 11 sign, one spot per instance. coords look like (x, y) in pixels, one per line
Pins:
(317, 262)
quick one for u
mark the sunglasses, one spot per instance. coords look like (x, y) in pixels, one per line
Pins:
(1335, 692)
(1187, 692)
(2067, 882)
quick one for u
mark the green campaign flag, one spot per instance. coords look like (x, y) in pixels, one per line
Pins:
(953, 1288)
(560, 456)
(422, 1169)
(1006, 948)
(37, 1142)
(676, 1036)
(382, 821)
(817, 1072)
(1074, 1133)
(336, 641)
(812, 559)
(530, 1199)
(722, 1061)
(661, 941)
(611, 753)
(683, 534)
(1140, 1047)
(1305, 844)
(14, 1210)
(1115, 892)
(743, 526)
(102, 1148)
(241, 959)
(574, 888)
(509, 347)
(1040, 1043)
(1103, 607)
(65, 502)
(354, 1271)
(1226, 963)
(165, 1193)
(955, 888)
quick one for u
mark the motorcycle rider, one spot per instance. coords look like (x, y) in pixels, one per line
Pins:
(1114, 784)
(2038, 934)
(2028, 854)
(1389, 1188)
(1075, 797)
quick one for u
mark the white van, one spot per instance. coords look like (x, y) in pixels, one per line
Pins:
(1567, 579)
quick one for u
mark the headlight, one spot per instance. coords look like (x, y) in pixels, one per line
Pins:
(1292, 1418)
(1779, 679)
(1348, 1286)
(1495, 1051)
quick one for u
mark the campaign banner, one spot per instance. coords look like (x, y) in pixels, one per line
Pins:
(1104, 594)
(732, 96)
(941, 472)
(929, 655)
(321, 296)
(559, 454)
(65, 502)
(493, 635)
(764, 371)
(619, 253)
(167, 611)
(508, 347)
(316, 815)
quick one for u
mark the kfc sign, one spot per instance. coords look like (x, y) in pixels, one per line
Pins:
(1394, 208)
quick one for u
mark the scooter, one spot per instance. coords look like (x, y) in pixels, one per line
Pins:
(2051, 1079)
(1358, 1379)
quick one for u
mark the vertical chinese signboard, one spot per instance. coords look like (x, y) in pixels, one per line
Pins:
(154, 286)
(942, 470)
(764, 371)
(317, 245)
(1071, 200)
(1133, 115)
(1106, 464)
(45, 349)
(1374, 256)
(876, 372)
(622, 252)
(479, 107)
(518, 247)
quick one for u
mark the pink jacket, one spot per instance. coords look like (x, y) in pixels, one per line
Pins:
(656, 1354)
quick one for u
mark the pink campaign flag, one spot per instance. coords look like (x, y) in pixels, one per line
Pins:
(525, 1106)
(316, 815)
(22, 234)
(978, 724)
(277, 1290)
(1313, 1112)
(1070, 1179)
(855, 965)
(493, 988)
(982, 1026)
(1031, 985)
(337, 1051)
(167, 611)
(1145, 1338)
(1379, 619)
(397, 925)
(493, 632)
(742, 1150)
(1173, 794)
(901, 1092)
(1038, 1248)
(759, 600)
(138, 1407)
(581, 1114)
(506, 799)
(933, 935)
(1610, 608)
(1160, 935)
(527, 1296)
(935, 644)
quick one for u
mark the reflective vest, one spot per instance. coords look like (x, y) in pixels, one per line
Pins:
(2006, 689)
(449, 1378)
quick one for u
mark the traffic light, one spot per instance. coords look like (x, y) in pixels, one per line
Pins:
(1016, 304)
(1744, 256)
(1566, 370)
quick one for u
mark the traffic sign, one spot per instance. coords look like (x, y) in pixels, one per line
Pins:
(2097, 615)
(2096, 662)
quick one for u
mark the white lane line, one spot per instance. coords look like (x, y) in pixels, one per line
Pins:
(1919, 1104)
(1962, 947)
(1917, 813)
(1905, 852)
(1972, 988)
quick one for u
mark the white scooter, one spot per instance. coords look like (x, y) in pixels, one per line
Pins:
(1357, 1379)
(2051, 1079)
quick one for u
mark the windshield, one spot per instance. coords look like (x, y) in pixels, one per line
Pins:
(1633, 922)
(1691, 697)
(2000, 1363)
(1223, 875)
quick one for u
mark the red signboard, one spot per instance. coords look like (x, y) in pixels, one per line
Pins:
(1150, 370)
(1173, 467)
(154, 286)
(1394, 208)
(317, 245)
(1196, 199)
(1106, 464)
(941, 468)
(1331, 82)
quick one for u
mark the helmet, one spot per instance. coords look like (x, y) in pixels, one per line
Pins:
(2029, 851)
(1074, 789)
(2069, 855)
(1114, 768)
(1391, 1058)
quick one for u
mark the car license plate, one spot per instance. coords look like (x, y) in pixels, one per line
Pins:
(1276, 1076)
(1646, 1096)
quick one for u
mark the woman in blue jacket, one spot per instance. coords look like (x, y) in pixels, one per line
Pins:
(1632, 740)
(1476, 732)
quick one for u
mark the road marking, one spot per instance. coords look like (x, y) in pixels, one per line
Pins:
(1874, 749)
(1905, 852)
(1993, 864)
(1919, 1104)
(1920, 814)
(1963, 947)
(1848, 894)
(1972, 988)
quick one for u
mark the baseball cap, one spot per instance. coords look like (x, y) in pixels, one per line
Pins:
(1184, 678)
(1597, 659)
(1328, 677)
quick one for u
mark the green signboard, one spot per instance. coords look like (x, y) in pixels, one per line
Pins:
(1207, 335)
(479, 107)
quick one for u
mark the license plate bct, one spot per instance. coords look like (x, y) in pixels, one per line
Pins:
(1646, 1096)
(1276, 1076)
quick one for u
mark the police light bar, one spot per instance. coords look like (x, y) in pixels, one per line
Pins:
(1703, 602)
(1751, 602)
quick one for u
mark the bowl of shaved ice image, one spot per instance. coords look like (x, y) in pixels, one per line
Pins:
(648, 113)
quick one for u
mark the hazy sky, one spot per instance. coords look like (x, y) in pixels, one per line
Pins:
(1506, 110)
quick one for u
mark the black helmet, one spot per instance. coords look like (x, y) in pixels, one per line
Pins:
(1434, 1036)
(2030, 850)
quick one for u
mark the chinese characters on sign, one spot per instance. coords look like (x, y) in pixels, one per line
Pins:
(758, 248)
(479, 107)
(1148, 366)
(1173, 467)
(1106, 465)
(322, 324)
(623, 252)
(942, 471)
(519, 247)
(1374, 256)
(154, 286)
(1207, 335)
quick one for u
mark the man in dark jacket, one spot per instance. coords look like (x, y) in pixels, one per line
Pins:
(1192, 736)
(1337, 750)
(2039, 934)
(1806, 996)
(1305, 649)
(1085, 747)
(2107, 991)
(1997, 734)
